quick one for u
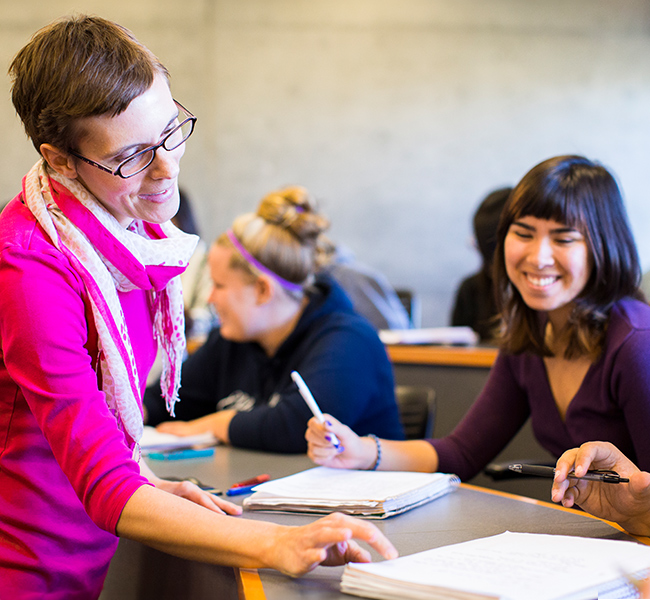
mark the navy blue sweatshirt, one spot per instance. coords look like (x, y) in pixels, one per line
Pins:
(336, 351)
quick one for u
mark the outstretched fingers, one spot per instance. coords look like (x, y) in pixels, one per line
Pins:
(343, 528)
(330, 541)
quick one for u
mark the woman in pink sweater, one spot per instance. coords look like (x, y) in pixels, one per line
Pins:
(88, 273)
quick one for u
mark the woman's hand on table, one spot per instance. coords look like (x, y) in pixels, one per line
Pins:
(190, 491)
(352, 452)
(330, 541)
(216, 423)
(627, 504)
(193, 493)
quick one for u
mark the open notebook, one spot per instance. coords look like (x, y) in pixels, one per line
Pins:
(509, 566)
(370, 494)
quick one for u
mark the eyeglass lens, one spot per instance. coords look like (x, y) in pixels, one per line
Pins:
(141, 161)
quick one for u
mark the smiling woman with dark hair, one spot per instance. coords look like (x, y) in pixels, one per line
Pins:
(575, 334)
(584, 197)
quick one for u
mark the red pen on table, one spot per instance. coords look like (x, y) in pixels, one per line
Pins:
(245, 487)
(253, 481)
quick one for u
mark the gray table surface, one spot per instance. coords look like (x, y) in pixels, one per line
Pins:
(468, 513)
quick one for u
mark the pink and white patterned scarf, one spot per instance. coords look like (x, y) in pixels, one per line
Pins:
(110, 258)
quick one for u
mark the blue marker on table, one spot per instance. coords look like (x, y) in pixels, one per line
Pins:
(242, 489)
(309, 399)
(181, 454)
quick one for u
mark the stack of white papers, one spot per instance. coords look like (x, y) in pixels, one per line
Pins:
(154, 441)
(509, 566)
(370, 494)
(449, 336)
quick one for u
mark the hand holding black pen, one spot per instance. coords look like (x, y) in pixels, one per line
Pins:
(627, 504)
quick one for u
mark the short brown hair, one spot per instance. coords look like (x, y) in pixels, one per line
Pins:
(77, 67)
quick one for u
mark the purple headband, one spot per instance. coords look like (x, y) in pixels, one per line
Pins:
(249, 258)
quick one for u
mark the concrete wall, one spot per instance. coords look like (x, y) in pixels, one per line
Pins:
(398, 114)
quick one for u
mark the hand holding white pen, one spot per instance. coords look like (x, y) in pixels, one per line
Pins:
(309, 399)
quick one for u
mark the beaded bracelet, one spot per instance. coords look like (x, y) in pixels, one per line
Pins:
(378, 444)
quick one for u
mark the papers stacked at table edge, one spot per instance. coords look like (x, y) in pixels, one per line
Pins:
(592, 568)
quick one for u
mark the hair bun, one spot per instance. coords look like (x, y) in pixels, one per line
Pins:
(293, 208)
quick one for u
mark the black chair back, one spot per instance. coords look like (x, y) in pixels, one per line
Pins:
(417, 409)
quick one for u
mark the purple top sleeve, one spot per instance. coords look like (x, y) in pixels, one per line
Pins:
(612, 404)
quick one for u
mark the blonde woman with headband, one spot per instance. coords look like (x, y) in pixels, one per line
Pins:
(277, 315)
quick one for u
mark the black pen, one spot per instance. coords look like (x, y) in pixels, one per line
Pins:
(601, 475)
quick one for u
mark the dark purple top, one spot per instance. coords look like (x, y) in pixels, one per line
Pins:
(612, 404)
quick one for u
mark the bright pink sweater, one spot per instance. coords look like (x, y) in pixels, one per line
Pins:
(65, 468)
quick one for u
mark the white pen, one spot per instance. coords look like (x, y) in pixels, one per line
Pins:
(309, 399)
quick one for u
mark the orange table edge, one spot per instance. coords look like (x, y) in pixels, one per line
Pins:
(461, 356)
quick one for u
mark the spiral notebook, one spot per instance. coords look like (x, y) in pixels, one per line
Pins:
(369, 494)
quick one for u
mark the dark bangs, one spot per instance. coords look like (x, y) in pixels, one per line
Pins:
(551, 195)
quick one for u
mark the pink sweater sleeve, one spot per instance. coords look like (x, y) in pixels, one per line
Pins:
(50, 352)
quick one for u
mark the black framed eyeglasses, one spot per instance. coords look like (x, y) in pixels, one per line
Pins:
(141, 160)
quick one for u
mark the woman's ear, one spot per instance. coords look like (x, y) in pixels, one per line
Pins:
(62, 162)
(265, 289)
